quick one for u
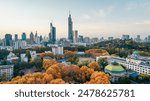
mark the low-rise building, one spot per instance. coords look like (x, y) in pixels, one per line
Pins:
(12, 58)
(24, 58)
(33, 54)
(6, 71)
(116, 71)
(58, 50)
(133, 62)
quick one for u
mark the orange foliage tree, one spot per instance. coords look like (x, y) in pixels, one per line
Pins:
(50, 54)
(69, 53)
(48, 63)
(99, 78)
(94, 65)
(58, 73)
(97, 52)
(85, 73)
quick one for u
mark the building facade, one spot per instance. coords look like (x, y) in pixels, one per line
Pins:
(7, 71)
(133, 62)
(58, 50)
(24, 37)
(8, 40)
(70, 29)
(52, 34)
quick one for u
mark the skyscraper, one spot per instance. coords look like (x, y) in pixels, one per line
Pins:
(75, 36)
(36, 37)
(16, 37)
(31, 38)
(24, 36)
(52, 34)
(70, 28)
(8, 40)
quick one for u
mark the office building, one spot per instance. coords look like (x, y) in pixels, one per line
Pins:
(52, 34)
(8, 40)
(24, 38)
(70, 29)
(75, 36)
(58, 50)
(125, 37)
(31, 38)
(16, 37)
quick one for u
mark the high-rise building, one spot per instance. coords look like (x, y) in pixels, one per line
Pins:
(80, 38)
(24, 38)
(52, 34)
(16, 37)
(75, 36)
(125, 37)
(138, 38)
(110, 38)
(31, 38)
(41, 38)
(70, 28)
(8, 40)
(36, 37)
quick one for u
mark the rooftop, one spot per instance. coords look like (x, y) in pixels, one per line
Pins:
(114, 68)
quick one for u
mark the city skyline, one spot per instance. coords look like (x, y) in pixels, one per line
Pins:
(96, 18)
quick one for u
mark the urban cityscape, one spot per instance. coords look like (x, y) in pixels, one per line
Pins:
(75, 58)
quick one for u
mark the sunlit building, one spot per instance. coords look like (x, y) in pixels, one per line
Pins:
(133, 62)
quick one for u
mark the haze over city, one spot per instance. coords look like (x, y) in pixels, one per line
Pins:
(90, 17)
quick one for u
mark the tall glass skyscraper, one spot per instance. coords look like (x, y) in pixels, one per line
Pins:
(8, 40)
(24, 36)
(52, 34)
(70, 28)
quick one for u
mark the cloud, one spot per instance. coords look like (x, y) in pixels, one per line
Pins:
(104, 12)
(87, 17)
(145, 22)
(138, 5)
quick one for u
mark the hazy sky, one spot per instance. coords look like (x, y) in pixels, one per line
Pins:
(90, 17)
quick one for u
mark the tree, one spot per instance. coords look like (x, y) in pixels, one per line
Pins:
(57, 81)
(97, 52)
(73, 60)
(124, 80)
(86, 73)
(83, 63)
(69, 53)
(103, 62)
(94, 65)
(28, 54)
(99, 78)
(48, 63)
(37, 62)
(50, 54)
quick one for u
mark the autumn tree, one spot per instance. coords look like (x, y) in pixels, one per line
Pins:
(50, 54)
(86, 73)
(99, 78)
(97, 52)
(83, 63)
(57, 81)
(69, 53)
(48, 63)
(94, 65)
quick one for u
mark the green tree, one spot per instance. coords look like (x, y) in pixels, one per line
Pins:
(103, 62)
(124, 80)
